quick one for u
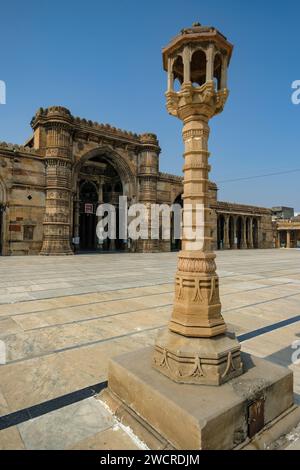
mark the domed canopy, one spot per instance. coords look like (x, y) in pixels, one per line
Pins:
(197, 34)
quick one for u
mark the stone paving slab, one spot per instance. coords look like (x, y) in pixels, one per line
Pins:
(62, 319)
(63, 428)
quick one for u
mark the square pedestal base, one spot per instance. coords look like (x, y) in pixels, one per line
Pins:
(166, 414)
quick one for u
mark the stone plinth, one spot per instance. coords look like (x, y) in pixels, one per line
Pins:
(210, 361)
(183, 416)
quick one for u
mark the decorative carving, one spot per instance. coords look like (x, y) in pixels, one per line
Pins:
(198, 295)
(196, 265)
(179, 295)
(197, 370)
(230, 365)
(164, 362)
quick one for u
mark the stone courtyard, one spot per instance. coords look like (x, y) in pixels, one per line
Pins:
(63, 318)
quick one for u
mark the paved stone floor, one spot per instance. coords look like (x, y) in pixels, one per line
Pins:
(62, 318)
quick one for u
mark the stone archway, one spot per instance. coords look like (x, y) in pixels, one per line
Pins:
(116, 160)
(106, 176)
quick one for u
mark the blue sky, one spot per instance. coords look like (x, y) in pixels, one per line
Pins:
(102, 60)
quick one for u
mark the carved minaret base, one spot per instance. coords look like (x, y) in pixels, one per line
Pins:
(55, 122)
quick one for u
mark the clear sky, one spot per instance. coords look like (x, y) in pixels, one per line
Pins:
(102, 60)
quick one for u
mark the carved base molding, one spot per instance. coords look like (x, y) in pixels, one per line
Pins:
(210, 361)
(56, 248)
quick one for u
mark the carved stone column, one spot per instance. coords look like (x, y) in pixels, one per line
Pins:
(251, 245)
(148, 174)
(210, 63)
(235, 240)
(226, 232)
(244, 233)
(185, 352)
(288, 239)
(278, 240)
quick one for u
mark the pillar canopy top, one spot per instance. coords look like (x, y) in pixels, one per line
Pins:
(197, 35)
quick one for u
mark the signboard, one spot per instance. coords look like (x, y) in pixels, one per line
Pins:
(76, 240)
(88, 208)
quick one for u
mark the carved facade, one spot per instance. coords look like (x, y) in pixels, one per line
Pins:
(50, 189)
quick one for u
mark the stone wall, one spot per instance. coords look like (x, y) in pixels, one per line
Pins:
(22, 177)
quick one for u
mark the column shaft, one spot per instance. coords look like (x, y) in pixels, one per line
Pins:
(288, 239)
(226, 233)
(251, 233)
(235, 233)
(197, 308)
(210, 64)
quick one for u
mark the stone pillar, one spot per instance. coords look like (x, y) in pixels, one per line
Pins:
(170, 76)
(57, 230)
(226, 233)
(251, 245)
(278, 240)
(244, 233)
(288, 239)
(148, 175)
(187, 64)
(224, 72)
(235, 244)
(210, 63)
(259, 234)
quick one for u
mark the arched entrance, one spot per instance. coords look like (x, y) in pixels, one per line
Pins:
(97, 181)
